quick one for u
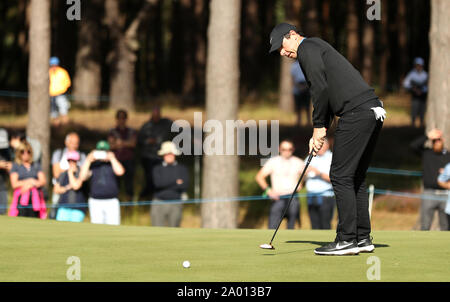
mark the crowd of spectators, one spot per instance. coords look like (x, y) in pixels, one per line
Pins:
(92, 181)
(83, 183)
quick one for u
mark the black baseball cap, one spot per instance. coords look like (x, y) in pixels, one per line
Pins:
(277, 34)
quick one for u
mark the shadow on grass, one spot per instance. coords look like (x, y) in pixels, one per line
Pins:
(321, 243)
(289, 252)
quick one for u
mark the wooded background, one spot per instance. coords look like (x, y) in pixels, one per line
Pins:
(134, 50)
(214, 55)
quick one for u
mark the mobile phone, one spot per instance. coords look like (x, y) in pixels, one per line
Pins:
(99, 155)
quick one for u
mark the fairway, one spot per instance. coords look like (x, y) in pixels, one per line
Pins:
(36, 250)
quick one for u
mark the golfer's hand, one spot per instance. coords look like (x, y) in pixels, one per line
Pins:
(434, 134)
(317, 140)
(273, 195)
(90, 157)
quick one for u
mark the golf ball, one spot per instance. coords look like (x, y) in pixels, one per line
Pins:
(186, 264)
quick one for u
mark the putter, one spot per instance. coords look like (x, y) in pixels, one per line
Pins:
(270, 246)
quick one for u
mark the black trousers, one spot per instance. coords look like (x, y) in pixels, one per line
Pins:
(277, 208)
(149, 187)
(320, 209)
(418, 106)
(128, 177)
(355, 139)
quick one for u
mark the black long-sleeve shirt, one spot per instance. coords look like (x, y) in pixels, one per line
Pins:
(431, 162)
(335, 85)
(165, 180)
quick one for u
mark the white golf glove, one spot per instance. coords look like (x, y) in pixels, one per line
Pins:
(380, 113)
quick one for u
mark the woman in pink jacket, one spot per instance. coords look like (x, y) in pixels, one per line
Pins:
(27, 179)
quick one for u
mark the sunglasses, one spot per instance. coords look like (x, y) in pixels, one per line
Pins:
(25, 151)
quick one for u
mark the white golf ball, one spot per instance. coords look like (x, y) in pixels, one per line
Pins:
(186, 264)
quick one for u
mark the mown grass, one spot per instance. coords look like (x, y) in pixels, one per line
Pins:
(35, 250)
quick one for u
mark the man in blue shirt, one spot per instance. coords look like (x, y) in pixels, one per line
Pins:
(301, 92)
(416, 83)
(320, 197)
(444, 182)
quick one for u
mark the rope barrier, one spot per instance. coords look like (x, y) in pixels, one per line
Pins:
(394, 171)
(442, 197)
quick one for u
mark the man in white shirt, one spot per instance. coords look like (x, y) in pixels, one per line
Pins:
(60, 163)
(320, 190)
(284, 171)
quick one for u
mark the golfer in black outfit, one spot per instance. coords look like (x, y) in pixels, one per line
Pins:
(337, 89)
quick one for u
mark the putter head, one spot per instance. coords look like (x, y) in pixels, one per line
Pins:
(266, 246)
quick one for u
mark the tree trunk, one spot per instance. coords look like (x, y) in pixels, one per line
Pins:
(200, 8)
(221, 172)
(121, 60)
(251, 50)
(326, 23)
(352, 34)
(311, 25)
(368, 42)
(87, 80)
(403, 62)
(286, 98)
(384, 38)
(38, 126)
(438, 103)
(123, 57)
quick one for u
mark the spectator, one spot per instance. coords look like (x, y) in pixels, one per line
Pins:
(433, 160)
(69, 187)
(320, 198)
(122, 140)
(171, 180)
(27, 180)
(59, 83)
(416, 83)
(18, 137)
(284, 171)
(444, 183)
(5, 167)
(301, 92)
(102, 166)
(150, 137)
(60, 163)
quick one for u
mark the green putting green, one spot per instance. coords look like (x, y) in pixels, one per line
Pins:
(36, 250)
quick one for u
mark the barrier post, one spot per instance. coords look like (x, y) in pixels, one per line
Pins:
(371, 193)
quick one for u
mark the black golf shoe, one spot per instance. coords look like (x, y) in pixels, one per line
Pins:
(366, 245)
(339, 248)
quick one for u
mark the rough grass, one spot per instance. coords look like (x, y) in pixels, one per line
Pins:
(35, 250)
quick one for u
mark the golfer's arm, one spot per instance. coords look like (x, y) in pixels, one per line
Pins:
(14, 180)
(162, 182)
(84, 173)
(325, 176)
(41, 179)
(131, 143)
(74, 182)
(444, 185)
(58, 189)
(56, 170)
(118, 169)
(315, 70)
(261, 179)
(418, 144)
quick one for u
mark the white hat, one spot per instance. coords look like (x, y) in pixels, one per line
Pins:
(3, 139)
(167, 148)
